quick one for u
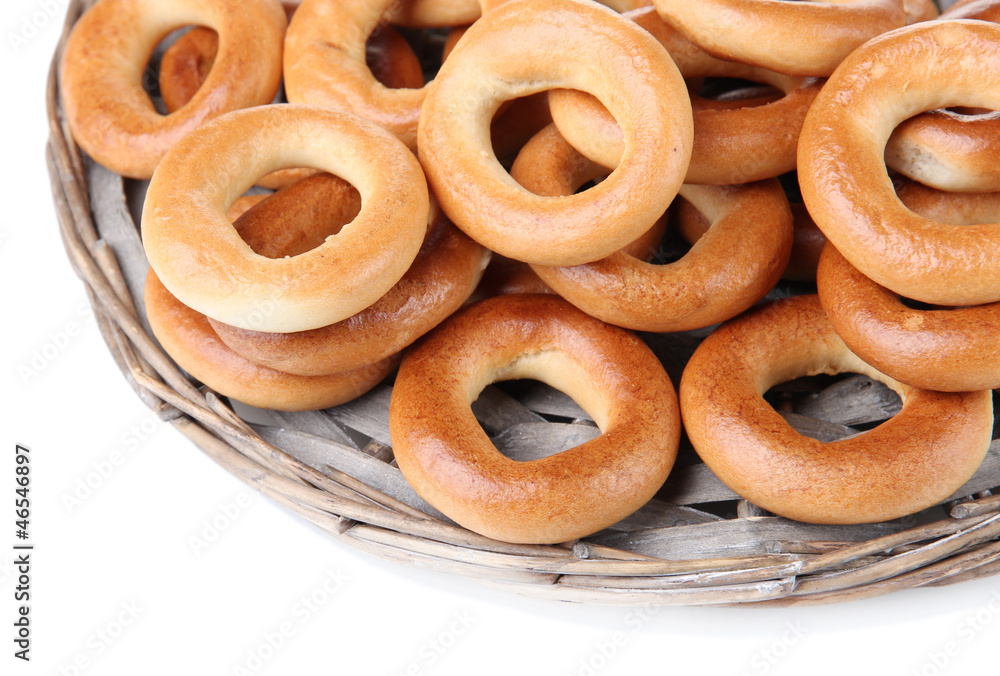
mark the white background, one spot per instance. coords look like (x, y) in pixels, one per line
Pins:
(117, 587)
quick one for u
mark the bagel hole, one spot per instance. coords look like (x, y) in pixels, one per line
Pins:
(515, 123)
(735, 91)
(924, 307)
(969, 111)
(542, 422)
(829, 408)
(189, 69)
(299, 217)
(427, 45)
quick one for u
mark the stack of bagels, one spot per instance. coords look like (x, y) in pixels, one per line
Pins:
(323, 212)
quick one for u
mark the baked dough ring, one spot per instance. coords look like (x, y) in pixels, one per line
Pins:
(444, 274)
(798, 38)
(954, 208)
(915, 460)
(187, 62)
(644, 88)
(842, 172)
(729, 269)
(189, 340)
(110, 114)
(325, 65)
(548, 165)
(731, 145)
(954, 350)
(947, 149)
(201, 258)
(448, 459)
(807, 239)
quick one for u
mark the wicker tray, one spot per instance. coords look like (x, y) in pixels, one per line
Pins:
(696, 543)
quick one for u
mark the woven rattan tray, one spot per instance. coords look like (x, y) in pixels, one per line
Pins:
(695, 543)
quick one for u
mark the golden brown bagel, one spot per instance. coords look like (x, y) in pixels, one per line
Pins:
(954, 208)
(442, 277)
(448, 459)
(189, 340)
(548, 165)
(798, 38)
(842, 172)
(949, 149)
(949, 350)
(915, 460)
(201, 258)
(645, 91)
(732, 145)
(326, 65)
(729, 269)
(109, 113)
(807, 240)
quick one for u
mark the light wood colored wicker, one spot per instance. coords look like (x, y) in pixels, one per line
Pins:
(696, 543)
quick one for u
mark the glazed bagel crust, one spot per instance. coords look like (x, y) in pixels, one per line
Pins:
(729, 269)
(634, 78)
(956, 350)
(798, 38)
(110, 114)
(447, 457)
(325, 65)
(189, 340)
(842, 172)
(732, 144)
(917, 459)
(201, 258)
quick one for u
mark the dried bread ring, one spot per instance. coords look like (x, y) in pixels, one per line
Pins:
(807, 239)
(326, 65)
(797, 38)
(448, 459)
(953, 350)
(948, 149)
(915, 460)
(842, 171)
(954, 208)
(548, 165)
(648, 97)
(187, 62)
(110, 114)
(201, 258)
(732, 145)
(729, 269)
(443, 275)
(190, 341)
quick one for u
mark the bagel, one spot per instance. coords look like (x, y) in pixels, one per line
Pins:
(732, 144)
(443, 275)
(729, 269)
(807, 240)
(648, 98)
(189, 340)
(446, 456)
(109, 113)
(325, 64)
(915, 460)
(948, 350)
(842, 172)
(201, 258)
(797, 38)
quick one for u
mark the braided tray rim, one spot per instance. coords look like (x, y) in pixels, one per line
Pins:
(962, 546)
